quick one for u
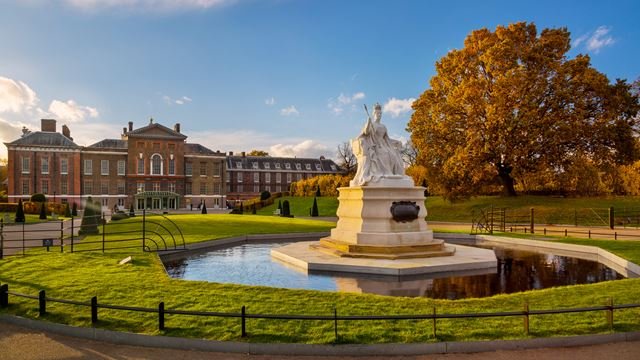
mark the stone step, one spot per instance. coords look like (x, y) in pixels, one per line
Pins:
(445, 251)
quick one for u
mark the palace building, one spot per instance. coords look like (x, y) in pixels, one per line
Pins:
(152, 167)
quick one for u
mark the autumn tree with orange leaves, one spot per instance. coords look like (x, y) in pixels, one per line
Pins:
(510, 104)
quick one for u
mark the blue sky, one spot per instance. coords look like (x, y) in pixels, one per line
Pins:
(288, 77)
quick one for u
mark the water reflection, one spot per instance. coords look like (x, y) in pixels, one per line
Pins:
(516, 271)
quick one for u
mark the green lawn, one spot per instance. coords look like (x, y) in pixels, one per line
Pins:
(29, 218)
(548, 210)
(79, 276)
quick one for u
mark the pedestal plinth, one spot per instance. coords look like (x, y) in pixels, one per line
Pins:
(386, 222)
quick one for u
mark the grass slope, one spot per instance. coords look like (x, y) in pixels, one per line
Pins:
(79, 276)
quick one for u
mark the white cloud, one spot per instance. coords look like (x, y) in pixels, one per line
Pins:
(288, 111)
(339, 104)
(306, 148)
(16, 96)
(71, 111)
(596, 40)
(397, 107)
(180, 101)
(147, 5)
(270, 101)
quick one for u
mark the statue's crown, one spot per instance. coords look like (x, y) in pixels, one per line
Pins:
(377, 106)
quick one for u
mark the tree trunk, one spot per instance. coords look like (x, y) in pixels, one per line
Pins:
(504, 174)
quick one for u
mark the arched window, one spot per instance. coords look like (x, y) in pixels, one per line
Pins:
(156, 164)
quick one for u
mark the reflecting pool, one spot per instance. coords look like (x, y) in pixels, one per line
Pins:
(517, 270)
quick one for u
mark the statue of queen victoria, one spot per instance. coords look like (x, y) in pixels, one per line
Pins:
(378, 155)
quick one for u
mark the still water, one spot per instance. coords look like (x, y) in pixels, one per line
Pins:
(517, 270)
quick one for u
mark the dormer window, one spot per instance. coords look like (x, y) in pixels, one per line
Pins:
(267, 166)
(333, 167)
(307, 166)
(277, 165)
(298, 166)
(287, 166)
(238, 164)
(254, 165)
(318, 167)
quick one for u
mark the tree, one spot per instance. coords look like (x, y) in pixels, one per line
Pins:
(132, 212)
(43, 211)
(258, 153)
(346, 158)
(409, 154)
(318, 193)
(314, 208)
(253, 209)
(74, 209)
(285, 209)
(20, 212)
(510, 104)
(204, 208)
(265, 195)
(67, 210)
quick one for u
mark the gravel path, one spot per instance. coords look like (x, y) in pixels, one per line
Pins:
(23, 343)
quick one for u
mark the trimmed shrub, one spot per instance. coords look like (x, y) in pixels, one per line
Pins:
(74, 210)
(132, 213)
(43, 212)
(253, 209)
(314, 209)
(90, 216)
(119, 215)
(8, 207)
(204, 207)
(286, 212)
(67, 211)
(20, 212)
(318, 194)
(265, 195)
(38, 198)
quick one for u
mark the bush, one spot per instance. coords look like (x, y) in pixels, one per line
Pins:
(43, 212)
(286, 212)
(9, 207)
(204, 207)
(327, 184)
(265, 195)
(132, 213)
(67, 211)
(74, 210)
(20, 212)
(314, 209)
(90, 216)
(119, 215)
(38, 198)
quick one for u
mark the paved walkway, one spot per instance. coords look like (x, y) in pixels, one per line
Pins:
(22, 343)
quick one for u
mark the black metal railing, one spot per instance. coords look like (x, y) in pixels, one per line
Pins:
(243, 315)
(150, 232)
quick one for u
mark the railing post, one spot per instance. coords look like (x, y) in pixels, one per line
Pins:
(244, 322)
(23, 244)
(42, 303)
(94, 309)
(610, 313)
(4, 296)
(435, 333)
(615, 235)
(526, 318)
(335, 324)
(144, 216)
(72, 230)
(532, 219)
(1, 239)
(589, 233)
(61, 235)
(103, 222)
(611, 218)
(161, 315)
(565, 233)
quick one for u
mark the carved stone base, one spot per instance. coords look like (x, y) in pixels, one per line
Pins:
(391, 252)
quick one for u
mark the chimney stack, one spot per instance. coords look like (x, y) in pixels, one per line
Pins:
(66, 132)
(176, 127)
(243, 154)
(48, 125)
(124, 130)
(130, 125)
(230, 153)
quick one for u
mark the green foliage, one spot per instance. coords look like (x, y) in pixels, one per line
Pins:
(132, 212)
(300, 205)
(20, 213)
(90, 216)
(280, 206)
(119, 215)
(74, 209)
(38, 198)
(510, 105)
(314, 208)
(265, 195)
(253, 209)
(67, 210)
(204, 208)
(9, 207)
(43, 212)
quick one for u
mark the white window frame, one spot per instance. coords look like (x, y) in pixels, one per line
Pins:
(153, 159)
(307, 166)
(64, 166)
(140, 167)
(256, 177)
(277, 165)
(26, 165)
(298, 166)
(318, 167)
(44, 165)
(88, 167)
(172, 166)
(122, 167)
(287, 166)
(239, 177)
(44, 186)
(267, 165)
(278, 178)
(188, 169)
(288, 177)
(267, 177)
(104, 167)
